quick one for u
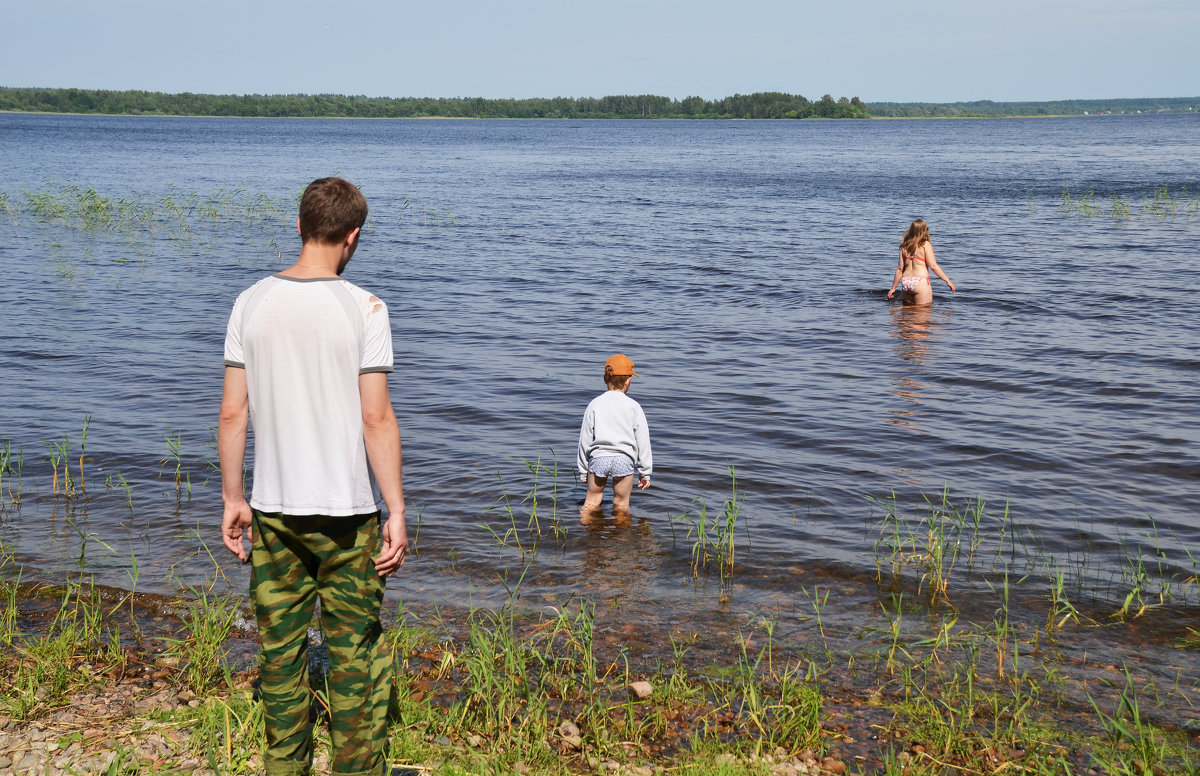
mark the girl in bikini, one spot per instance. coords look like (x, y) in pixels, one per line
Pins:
(916, 262)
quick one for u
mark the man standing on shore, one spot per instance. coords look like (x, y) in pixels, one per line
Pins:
(306, 362)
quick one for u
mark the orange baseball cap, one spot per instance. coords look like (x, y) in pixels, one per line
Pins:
(619, 365)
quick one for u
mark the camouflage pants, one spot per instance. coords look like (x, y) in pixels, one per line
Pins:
(295, 560)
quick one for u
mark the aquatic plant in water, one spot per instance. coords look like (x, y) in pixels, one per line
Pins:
(12, 462)
(533, 501)
(714, 539)
(1162, 204)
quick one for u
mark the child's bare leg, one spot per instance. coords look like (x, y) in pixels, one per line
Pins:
(595, 495)
(622, 487)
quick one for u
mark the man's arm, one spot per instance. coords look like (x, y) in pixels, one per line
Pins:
(231, 449)
(381, 433)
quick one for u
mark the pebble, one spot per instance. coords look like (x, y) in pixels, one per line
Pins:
(642, 690)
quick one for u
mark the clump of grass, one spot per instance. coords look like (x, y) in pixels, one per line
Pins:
(775, 702)
(1135, 748)
(1162, 204)
(935, 543)
(58, 455)
(117, 480)
(87, 423)
(83, 208)
(714, 538)
(61, 657)
(1118, 208)
(173, 460)
(1061, 609)
(8, 595)
(12, 462)
(208, 620)
(533, 503)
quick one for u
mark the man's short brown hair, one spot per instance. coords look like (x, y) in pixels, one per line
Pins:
(330, 209)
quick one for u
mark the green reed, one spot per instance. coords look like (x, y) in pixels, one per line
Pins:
(935, 543)
(51, 661)
(1118, 208)
(12, 463)
(173, 461)
(1135, 748)
(208, 620)
(1061, 609)
(1162, 204)
(83, 208)
(536, 469)
(714, 538)
(8, 595)
(120, 482)
(775, 703)
(59, 455)
(543, 487)
(87, 423)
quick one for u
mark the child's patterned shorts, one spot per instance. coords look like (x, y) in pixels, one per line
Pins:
(611, 466)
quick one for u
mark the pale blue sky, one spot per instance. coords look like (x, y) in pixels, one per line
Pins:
(879, 50)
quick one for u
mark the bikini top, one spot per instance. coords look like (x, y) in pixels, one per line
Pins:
(914, 258)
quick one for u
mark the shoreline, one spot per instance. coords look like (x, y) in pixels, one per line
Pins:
(608, 118)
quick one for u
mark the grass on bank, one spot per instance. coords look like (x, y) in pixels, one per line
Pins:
(507, 690)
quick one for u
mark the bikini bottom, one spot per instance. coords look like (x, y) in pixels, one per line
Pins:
(910, 283)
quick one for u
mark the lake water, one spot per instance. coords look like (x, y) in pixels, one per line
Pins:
(742, 265)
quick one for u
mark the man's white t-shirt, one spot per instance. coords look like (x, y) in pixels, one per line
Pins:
(303, 344)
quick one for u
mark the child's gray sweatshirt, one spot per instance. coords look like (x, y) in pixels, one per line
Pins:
(614, 424)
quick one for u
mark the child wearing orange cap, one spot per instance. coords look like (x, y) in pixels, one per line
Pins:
(614, 441)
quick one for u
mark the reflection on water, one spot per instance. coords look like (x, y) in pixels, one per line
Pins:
(913, 326)
(915, 334)
(621, 558)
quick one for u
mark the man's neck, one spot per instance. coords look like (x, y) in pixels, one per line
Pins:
(316, 261)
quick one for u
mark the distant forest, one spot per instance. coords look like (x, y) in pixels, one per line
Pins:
(987, 108)
(760, 105)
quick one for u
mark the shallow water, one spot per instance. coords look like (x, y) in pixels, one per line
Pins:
(742, 265)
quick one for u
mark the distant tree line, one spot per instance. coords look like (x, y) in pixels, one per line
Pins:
(987, 108)
(761, 105)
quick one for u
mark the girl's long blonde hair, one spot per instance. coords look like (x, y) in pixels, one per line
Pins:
(916, 236)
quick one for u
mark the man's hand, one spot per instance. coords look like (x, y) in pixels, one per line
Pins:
(236, 523)
(395, 545)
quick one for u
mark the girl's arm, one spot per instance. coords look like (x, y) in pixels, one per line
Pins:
(899, 272)
(931, 262)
